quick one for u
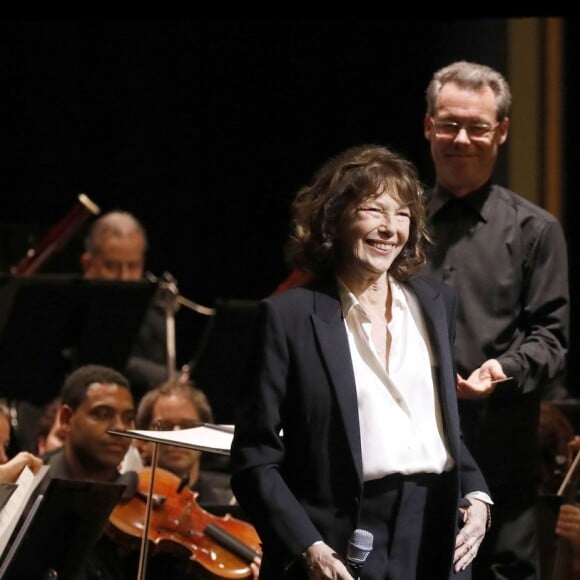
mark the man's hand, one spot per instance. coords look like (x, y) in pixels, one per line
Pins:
(480, 382)
(471, 534)
(323, 563)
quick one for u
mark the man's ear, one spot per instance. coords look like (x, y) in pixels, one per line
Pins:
(427, 127)
(65, 416)
(86, 261)
(503, 130)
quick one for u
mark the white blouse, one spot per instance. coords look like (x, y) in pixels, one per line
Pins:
(400, 418)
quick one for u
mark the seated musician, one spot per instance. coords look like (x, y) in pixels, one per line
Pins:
(180, 405)
(559, 527)
(115, 249)
(10, 468)
(568, 522)
(94, 400)
(50, 434)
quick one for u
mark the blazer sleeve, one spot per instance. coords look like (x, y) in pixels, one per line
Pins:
(258, 447)
(471, 476)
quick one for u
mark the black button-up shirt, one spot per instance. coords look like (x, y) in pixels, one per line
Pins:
(507, 258)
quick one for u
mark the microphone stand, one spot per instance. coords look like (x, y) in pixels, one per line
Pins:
(145, 539)
(171, 300)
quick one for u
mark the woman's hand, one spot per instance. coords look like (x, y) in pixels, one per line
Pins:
(323, 563)
(11, 470)
(471, 534)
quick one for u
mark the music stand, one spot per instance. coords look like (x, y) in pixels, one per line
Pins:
(62, 526)
(51, 323)
(222, 358)
(207, 437)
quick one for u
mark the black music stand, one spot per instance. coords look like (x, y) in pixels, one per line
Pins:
(223, 356)
(62, 525)
(51, 324)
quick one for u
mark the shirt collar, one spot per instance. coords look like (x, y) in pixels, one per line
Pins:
(348, 300)
(477, 200)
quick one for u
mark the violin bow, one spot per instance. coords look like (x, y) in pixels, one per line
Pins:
(569, 475)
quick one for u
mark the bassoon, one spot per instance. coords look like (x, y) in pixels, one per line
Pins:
(57, 236)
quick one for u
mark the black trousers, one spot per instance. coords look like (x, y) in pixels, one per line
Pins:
(409, 519)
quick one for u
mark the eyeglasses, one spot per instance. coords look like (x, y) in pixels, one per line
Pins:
(474, 130)
(167, 425)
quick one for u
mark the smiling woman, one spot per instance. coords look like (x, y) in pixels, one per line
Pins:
(355, 369)
(371, 238)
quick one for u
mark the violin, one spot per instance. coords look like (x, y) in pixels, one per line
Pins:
(218, 547)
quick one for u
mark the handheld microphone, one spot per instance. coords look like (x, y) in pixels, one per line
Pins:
(359, 547)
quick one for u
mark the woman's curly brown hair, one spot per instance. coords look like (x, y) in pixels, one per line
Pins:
(342, 183)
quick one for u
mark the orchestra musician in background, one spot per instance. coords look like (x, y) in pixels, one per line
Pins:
(50, 433)
(559, 522)
(115, 249)
(94, 400)
(11, 467)
(180, 405)
(568, 521)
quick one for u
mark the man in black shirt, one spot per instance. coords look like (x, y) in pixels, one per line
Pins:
(507, 258)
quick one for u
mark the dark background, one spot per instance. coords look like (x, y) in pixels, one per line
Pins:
(204, 129)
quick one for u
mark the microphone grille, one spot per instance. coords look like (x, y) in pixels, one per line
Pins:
(359, 546)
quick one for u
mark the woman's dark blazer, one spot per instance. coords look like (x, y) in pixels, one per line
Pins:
(296, 453)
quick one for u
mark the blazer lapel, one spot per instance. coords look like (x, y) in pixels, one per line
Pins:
(433, 308)
(331, 334)
(431, 300)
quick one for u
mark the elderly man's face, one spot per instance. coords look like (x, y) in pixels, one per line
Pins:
(117, 258)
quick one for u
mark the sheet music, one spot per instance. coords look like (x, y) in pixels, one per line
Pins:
(12, 511)
(6, 490)
(206, 437)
